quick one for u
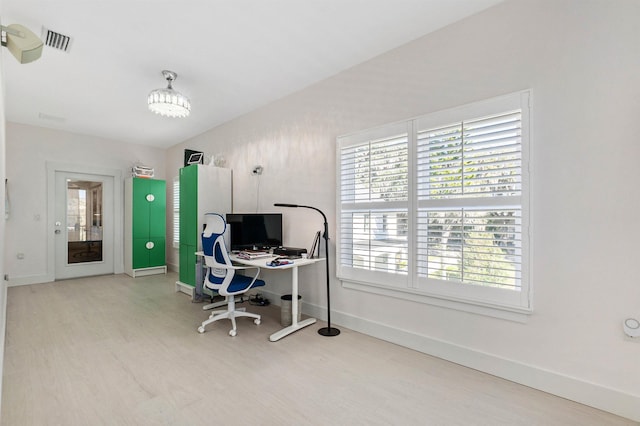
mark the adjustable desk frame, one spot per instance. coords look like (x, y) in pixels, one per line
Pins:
(262, 263)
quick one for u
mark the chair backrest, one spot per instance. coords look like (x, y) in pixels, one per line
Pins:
(215, 250)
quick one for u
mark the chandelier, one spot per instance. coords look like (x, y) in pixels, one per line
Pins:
(167, 101)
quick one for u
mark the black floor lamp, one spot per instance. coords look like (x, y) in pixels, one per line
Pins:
(328, 330)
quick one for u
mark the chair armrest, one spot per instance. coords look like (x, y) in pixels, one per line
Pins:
(224, 289)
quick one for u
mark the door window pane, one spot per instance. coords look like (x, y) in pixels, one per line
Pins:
(84, 221)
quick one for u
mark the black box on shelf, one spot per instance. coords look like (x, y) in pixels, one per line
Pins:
(289, 251)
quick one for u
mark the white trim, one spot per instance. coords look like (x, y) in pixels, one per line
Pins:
(185, 288)
(374, 134)
(52, 168)
(28, 280)
(3, 320)
(514, 313)
(153, 270)
(592, 394)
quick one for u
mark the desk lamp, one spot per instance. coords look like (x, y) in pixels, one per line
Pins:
(328, 330)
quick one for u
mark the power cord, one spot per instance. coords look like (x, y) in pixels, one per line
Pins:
(258, 300)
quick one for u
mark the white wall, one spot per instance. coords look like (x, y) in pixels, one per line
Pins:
(581, 59)
(29, 149)
(3, 283)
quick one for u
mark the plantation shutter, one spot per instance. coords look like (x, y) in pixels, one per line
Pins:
(373, 200)
(469, 223)
(436, 208)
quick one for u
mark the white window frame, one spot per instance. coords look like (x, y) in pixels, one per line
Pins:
(510, 304)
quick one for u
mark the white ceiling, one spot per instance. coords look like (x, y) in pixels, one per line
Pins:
(231, 56)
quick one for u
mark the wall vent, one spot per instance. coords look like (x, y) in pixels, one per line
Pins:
(56, 40)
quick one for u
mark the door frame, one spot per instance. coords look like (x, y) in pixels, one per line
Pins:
(63, 267)
(54, 167)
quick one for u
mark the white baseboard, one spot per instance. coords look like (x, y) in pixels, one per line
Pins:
(28, 280)
(143, 272)
(185, 288)
(603, 398)
(172, 267)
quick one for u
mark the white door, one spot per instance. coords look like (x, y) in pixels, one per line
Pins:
(84, 225)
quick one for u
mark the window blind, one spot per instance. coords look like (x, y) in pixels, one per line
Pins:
(374, 180)
(375, 171)
(176, 212)
(479, 158)
(459, 166)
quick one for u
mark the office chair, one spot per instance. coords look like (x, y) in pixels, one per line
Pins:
(221, 274)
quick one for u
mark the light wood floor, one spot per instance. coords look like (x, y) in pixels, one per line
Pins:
(114, 350)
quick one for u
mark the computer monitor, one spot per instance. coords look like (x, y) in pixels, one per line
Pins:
(254, 231)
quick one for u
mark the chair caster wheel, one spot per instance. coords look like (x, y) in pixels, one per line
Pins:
(232, 333)
(201, 329)
(256, 321)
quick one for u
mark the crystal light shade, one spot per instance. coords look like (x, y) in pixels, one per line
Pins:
(168, 102)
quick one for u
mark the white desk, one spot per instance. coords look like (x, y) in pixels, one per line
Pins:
(262, 263)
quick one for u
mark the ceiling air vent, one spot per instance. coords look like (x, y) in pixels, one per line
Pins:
(56, 40)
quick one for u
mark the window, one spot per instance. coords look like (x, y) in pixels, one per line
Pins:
(374, 192)
(176, 212)
(438, 207)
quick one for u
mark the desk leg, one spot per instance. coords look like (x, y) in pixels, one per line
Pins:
(295, 325)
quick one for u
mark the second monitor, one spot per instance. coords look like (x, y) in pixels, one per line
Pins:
(254, 231)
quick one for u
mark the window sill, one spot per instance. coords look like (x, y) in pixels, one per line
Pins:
(509, 313)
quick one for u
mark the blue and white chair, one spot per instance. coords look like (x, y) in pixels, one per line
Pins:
(222, 276)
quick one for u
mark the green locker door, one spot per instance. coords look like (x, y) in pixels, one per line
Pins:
(157, 252)
(140, 253)
(189, 205)
(188, 223)
(182, 270)
(157, 209)
(157, 222)
(188, 264)
(140, 205)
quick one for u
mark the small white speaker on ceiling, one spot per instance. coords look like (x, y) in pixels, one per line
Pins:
(23, 43)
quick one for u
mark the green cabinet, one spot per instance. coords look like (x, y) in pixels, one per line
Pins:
(145, 226)
(203, 189)
(188, 224)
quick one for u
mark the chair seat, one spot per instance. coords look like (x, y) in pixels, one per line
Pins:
(241, 282)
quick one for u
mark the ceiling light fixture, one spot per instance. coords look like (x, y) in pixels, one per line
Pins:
(167, 101)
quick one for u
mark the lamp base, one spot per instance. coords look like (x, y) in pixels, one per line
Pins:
(328, 331)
